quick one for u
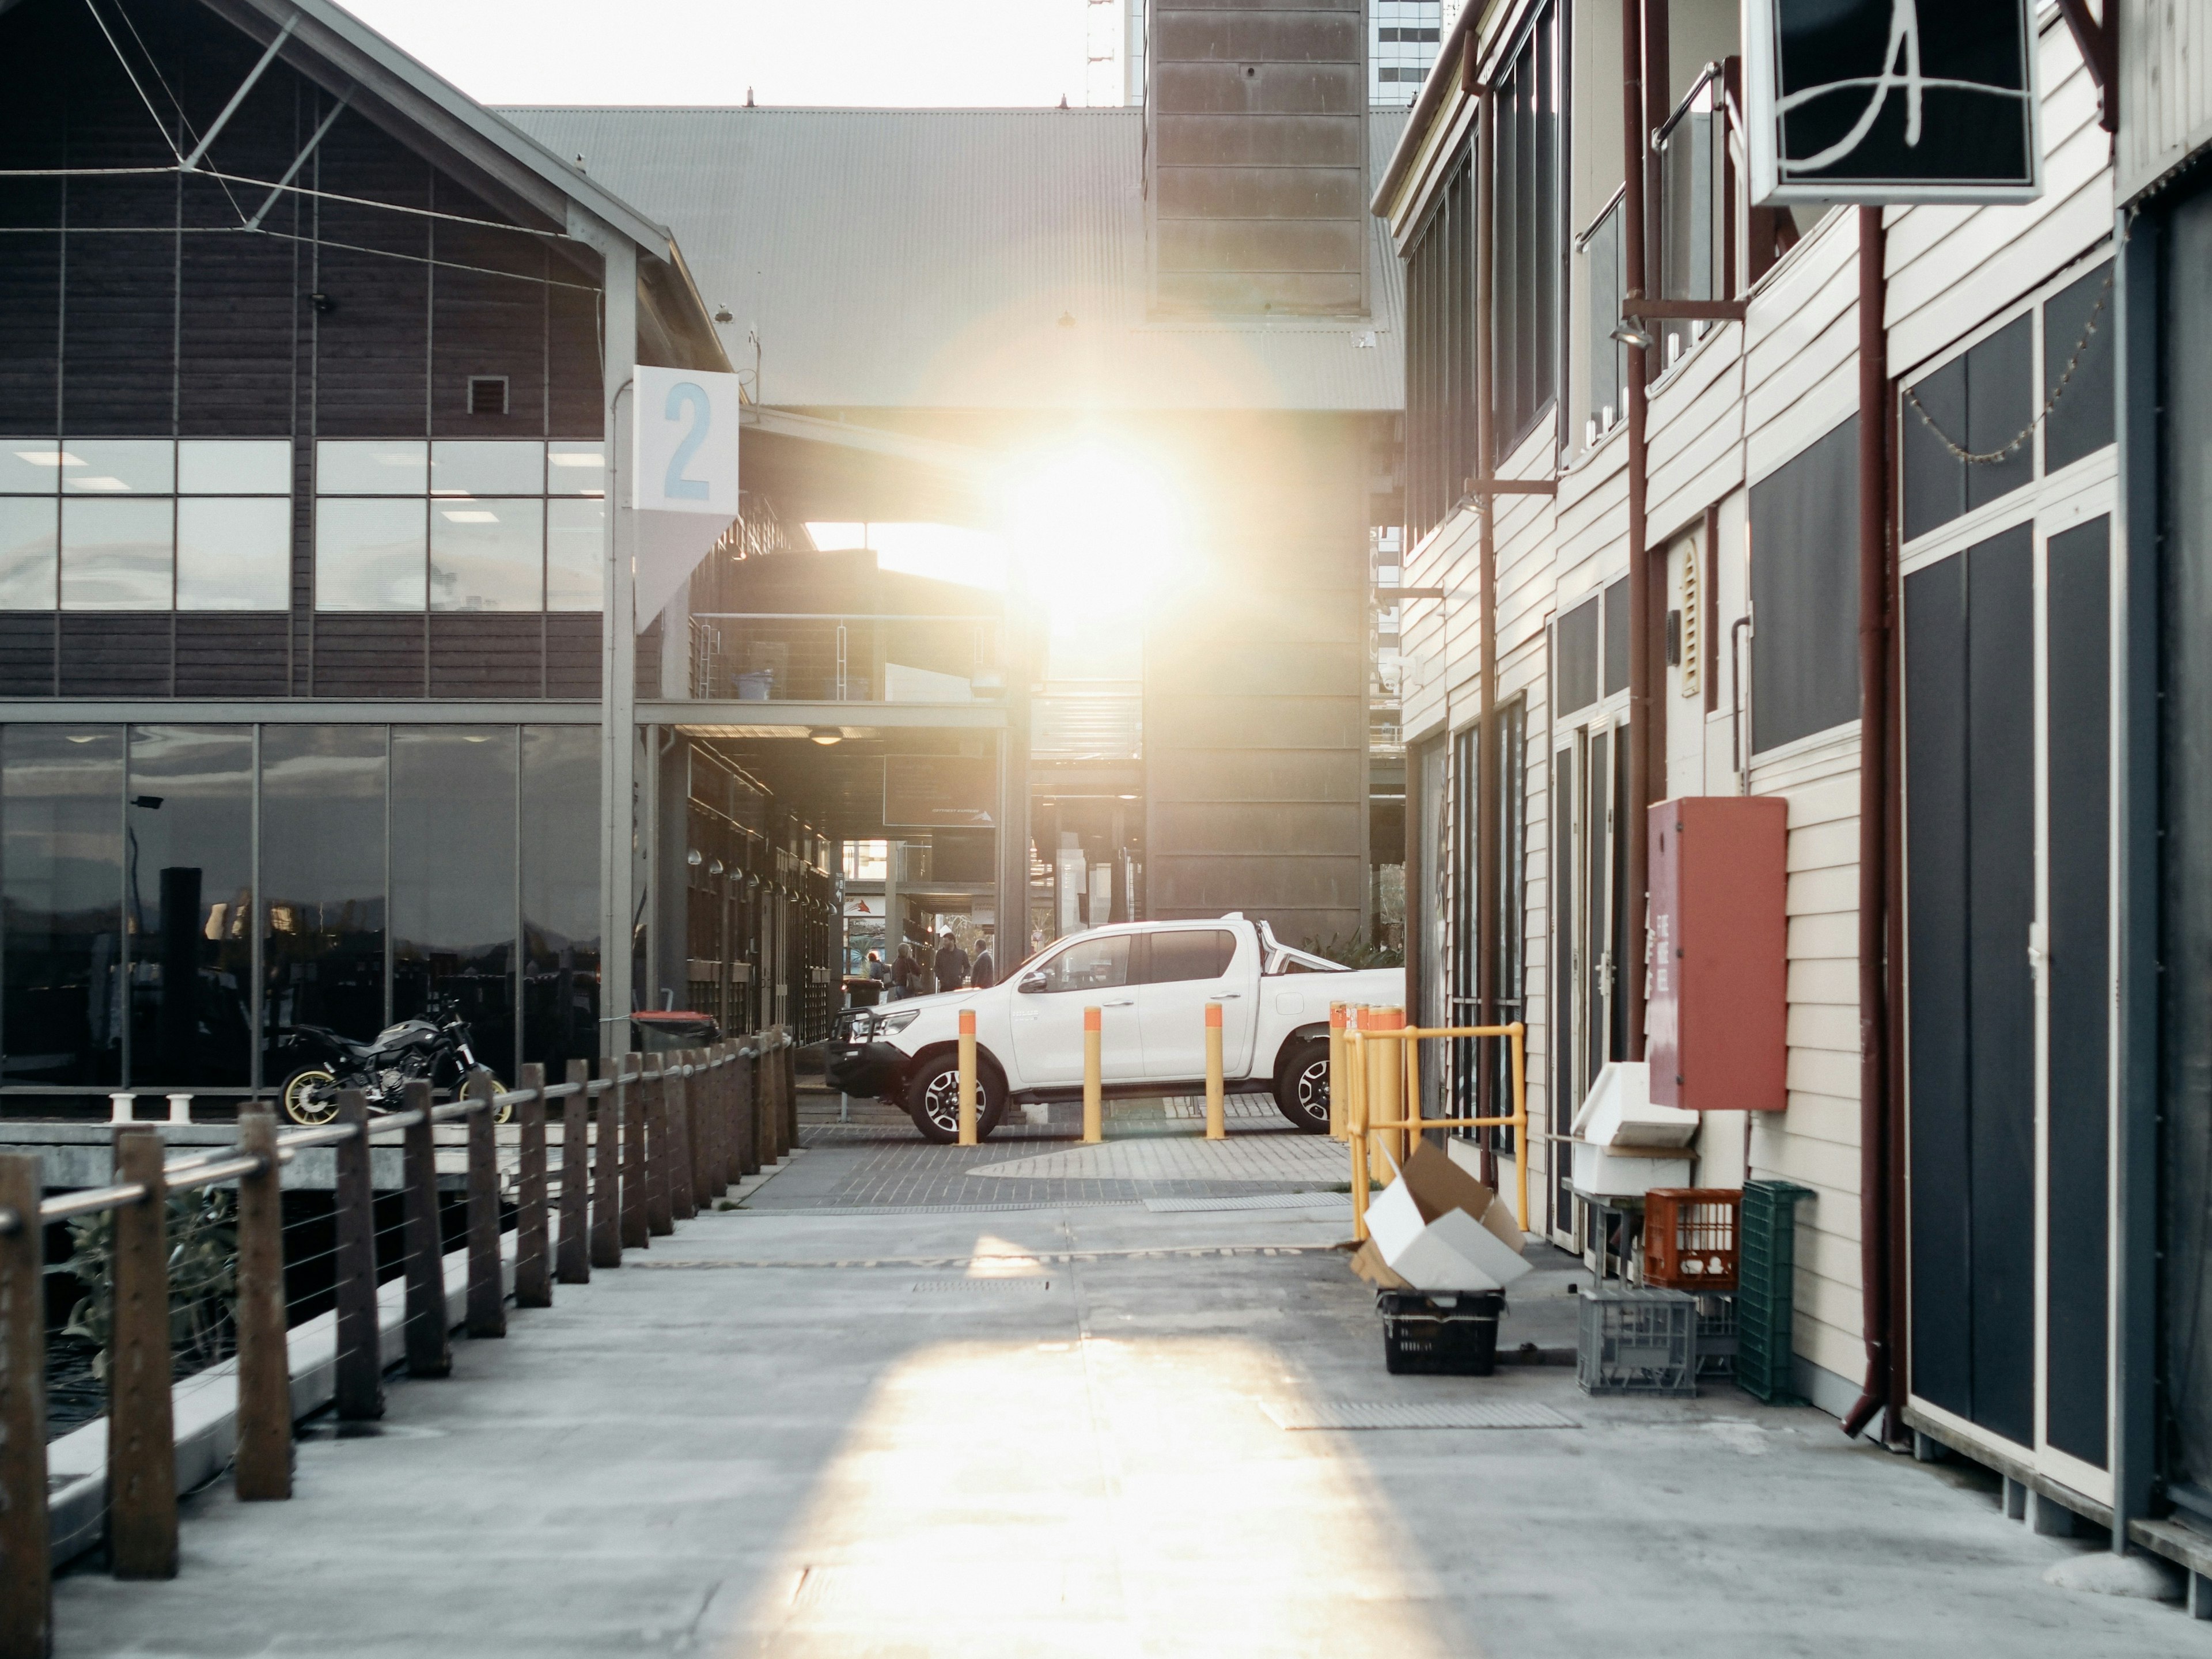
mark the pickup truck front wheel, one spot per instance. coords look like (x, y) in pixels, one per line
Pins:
(1302, 1085)
(932, 1099)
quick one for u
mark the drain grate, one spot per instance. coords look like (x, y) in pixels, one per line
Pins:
(982, 1283)
(1393, 1414)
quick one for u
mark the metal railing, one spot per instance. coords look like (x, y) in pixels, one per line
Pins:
(651, 1141)
(820, 657)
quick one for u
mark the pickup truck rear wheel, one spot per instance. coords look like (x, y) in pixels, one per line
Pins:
(932, 1100)
(1302, 1085)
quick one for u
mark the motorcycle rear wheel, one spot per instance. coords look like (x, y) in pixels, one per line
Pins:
(310, 1096)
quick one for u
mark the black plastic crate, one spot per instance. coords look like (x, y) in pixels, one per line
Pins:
(1637, 1340)
(1444, 1334)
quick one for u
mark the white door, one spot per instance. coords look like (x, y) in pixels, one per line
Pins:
(1183, 970)
(1089, 972)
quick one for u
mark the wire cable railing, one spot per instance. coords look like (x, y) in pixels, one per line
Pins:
(651, 1141)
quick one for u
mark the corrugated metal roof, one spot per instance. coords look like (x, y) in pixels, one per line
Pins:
(927, 259)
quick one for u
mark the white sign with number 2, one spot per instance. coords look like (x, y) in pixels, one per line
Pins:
(684, 476)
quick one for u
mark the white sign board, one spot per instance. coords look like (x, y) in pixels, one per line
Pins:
(684, 476)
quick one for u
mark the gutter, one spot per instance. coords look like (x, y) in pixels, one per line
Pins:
(1453, 71)
(1636, 125)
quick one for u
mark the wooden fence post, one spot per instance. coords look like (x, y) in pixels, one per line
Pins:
(636, 1188)
(608, 1176)
(748, 1111)
(429, 1319)
(659, 1210)
(142, 1443)
(725, 1100)
(572, 1255)
(683, 1191)
(264, 1469)
(27, 1594)
(359, 1387)
(487, 1297)
(786, 1089)
(533, 1252)
(706, 1174)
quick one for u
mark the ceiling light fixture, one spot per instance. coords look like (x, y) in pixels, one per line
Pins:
(828, 736)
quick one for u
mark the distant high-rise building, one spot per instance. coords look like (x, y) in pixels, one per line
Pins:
(1401, 44)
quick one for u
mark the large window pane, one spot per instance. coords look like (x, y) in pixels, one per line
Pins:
(119, 466)
(234, 554)
(453, 880)
(29, 528)
(486, 467)
(30, 466)
(561, 895)
(370, 555)
(486, 555)
(188, 904)
(61, 802)
(576, 554)
(322, 882)
(575, 469)
(380, 466)
(118, 555)
(234, 466)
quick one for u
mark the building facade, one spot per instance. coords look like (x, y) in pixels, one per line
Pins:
(1831, 506)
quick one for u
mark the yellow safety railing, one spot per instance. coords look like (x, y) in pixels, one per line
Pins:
(1372, 1063)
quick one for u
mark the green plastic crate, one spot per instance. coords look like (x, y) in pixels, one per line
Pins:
(1767, 1289)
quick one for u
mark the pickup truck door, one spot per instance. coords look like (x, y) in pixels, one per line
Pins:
(1048, 1002)
(1183, 970)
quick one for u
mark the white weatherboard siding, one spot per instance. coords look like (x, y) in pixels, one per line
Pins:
(2166, 87)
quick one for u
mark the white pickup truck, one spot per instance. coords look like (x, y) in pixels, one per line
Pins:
(1151, 981)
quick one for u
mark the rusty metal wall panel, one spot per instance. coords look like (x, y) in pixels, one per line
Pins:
(1251, 88)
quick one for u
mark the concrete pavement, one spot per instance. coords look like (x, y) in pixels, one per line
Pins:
(1044, 1431)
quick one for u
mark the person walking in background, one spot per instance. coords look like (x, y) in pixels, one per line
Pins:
(985, 974)
(876, 970)
(904, 971)
(952, 964)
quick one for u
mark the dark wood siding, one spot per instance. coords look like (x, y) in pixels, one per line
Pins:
(232, 654)
(370, 655)
(572, 653)
(116, 653)
(487, 656)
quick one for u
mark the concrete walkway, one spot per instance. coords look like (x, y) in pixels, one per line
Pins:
(1047, 1431)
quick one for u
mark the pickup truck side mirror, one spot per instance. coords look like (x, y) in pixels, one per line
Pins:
(1030, 984)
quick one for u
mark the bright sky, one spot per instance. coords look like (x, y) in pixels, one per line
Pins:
(971, 52)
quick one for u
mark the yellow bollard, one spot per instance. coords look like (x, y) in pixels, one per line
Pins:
(1217, 1127)
(1355, 1127)
(967, 1076)
(1389, 1078)
(1339, 1016)
(1521, 1117)
(1094, 1106)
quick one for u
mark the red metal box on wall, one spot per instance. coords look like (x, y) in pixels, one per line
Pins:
(1715, 1026)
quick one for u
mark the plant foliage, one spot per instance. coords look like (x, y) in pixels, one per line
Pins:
(203, 1238)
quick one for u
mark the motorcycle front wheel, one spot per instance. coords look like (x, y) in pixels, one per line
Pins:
(310, 1096)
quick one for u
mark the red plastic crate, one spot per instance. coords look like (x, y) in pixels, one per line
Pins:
(1690, 1237)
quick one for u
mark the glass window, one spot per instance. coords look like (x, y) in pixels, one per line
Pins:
(576, 554)
(118, 555)
(119, 466)
(561, 895)
(30, 466)
(235, 553)
(1089, 965)
(226, 466)
(383, 466)
(2077, 333)
(487, 468)
(575, 469)
(322, 883)
(454, 920)
(61, 791)
(29, 528)
(370, 555)
(1200, 953)
(486, 555)
(1804, 590)
(188, 904)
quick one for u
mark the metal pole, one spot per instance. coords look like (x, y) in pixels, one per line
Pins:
(533, 1254)
(360, 1381)
(1215, 1110)
(142, 1452)
(263, 1466)
(1641, 707)
(429, 1321)
(27, 1597)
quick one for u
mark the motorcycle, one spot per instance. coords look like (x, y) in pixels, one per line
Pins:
(435, 1048)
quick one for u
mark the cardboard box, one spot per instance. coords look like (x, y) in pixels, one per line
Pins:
(1437, 1228)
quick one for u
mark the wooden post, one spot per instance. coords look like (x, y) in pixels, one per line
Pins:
(660, 1209)
(680, 1093)
(263, 1468)
(741, 1113)
(606, 1167)
(636, 1230)
(533, 1252)
(487, 1296)
(26, 1594)
(733, 1116)
(360, 1366)
(717, 1120)
(573, 1255)
(787, 1082)
(142, 1445)
(763, 1099)
(702, 1096)
(430, 1320)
